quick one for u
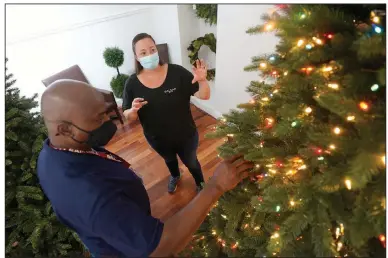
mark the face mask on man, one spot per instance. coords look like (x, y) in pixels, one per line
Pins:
(100, 136)
(150, 62)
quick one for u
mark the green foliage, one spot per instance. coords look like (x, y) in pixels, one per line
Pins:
(114, 57)
(317, 138)
(32, 229)
(207, 40)
(117, 84)
(208, 12)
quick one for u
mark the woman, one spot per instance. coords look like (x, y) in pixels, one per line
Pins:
(159, 95)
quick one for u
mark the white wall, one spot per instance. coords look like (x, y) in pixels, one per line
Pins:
(211, 60)
(165, 29)
(234, 51)
(188, 31)
(51, 38)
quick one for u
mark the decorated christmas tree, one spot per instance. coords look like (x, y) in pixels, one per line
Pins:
(315, 128)
(32, 229)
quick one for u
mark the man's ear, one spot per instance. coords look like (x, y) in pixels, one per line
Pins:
(64, 129)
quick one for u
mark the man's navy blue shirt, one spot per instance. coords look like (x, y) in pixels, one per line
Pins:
(102, 200)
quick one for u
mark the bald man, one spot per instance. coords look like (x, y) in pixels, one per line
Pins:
(98, 195)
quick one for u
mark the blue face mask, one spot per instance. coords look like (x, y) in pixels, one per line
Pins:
(150, 62)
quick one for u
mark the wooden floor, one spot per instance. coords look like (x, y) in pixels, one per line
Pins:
(130, 144)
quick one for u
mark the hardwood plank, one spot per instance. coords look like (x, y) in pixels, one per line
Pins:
(130, 144)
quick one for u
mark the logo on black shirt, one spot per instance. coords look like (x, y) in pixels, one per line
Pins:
(170, 91)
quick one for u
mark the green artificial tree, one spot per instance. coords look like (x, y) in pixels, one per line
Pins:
(114, 57)
(315, 129)
(32, 229)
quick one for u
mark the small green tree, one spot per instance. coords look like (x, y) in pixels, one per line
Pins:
(32, 229)
(114, 57)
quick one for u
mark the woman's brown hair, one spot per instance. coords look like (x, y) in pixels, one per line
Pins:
(136, 39)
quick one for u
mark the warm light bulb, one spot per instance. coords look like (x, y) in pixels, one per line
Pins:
(214, 232)
(257, 166)
(223, 119)
(350, 118)
(263, 65)
(273, 171)
(363, 105)
(303, 16)
(327, 69)
(319, 42)
(383, 159)
(300, 42)
(224, 216)
(252, 101)
(230, 135)
(285, 73)
(309, 69)
(292, 203)
(382, 238)
(269, 26)
(376, 19)
(276, 235)
(265, 99)
(302, 167)
(333, 86)
(330, 36)
(337, 130)
(342, 228)
(348, 184)
(235, 245)
(337, 233)
(256, 228)
(275, 91)
(291, 172)
(308, 110)
(332, 146)
(339, 246)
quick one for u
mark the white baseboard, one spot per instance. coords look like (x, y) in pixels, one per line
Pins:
(206, 108)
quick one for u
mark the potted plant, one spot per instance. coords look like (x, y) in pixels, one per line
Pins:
(114, 57)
